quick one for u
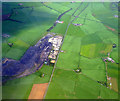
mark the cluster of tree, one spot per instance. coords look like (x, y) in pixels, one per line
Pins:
(42, 74)
(10, 44)
(103, 83)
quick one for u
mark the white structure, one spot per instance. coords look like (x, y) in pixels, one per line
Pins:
(110, 59)
(77, 70)
(116, 16)
(73, 1)
(59, 21)
(77, 24)
(56, 43)
(110, 84)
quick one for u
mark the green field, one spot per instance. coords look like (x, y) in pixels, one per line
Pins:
(76, 86)
(61, 28)
(84, 47)
(23, 35)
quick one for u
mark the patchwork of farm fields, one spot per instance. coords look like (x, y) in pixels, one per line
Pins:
(84, 47)
(20, 88)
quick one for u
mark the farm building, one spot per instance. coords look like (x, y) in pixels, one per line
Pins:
(110, 59)
(77, 24)
(5, 35)
(116, 16)
(59, 21)
(20, 4)
(72, 1)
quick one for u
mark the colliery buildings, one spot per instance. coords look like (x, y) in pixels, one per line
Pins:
(56, 43)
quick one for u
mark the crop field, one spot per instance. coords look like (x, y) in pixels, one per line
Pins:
(89, 31)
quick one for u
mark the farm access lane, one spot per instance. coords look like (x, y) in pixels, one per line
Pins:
(63, 41)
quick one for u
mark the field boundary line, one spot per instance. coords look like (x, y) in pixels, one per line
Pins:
(59, 51)
(50, 7)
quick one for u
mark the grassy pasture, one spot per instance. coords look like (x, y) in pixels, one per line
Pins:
(88, 43)
(61, 28)
(91, 64)
(69, 85)
(106, 93)
(75, 31)
(23, 35)
(79, 21)
(92, 45)
(107, 36)
(38, 17)
(67, 60)
(93, 68)
(106, 16)
(58, 7)
(114, 54)
(62, 7)
(97, 75)
(91, 39)
(20, 88)
(71, 5)
(9, 5)
(67, 5)
(72, 43)
(83, 5)
(113, 70)
(95, 50)
(91, 27)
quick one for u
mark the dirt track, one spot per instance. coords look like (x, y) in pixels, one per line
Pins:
(38, 91)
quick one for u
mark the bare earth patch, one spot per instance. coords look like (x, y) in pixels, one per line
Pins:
(112, 29)
(38, 91)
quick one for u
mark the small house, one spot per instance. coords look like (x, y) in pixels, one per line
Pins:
(59, 21)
